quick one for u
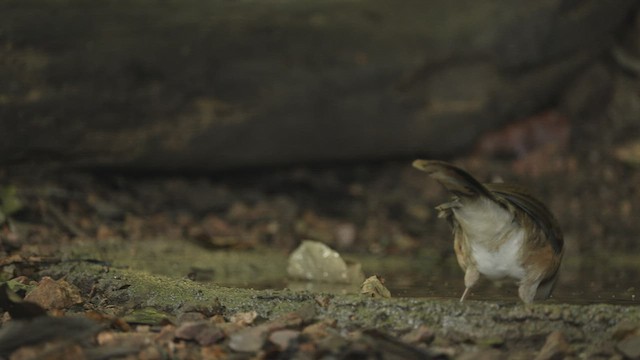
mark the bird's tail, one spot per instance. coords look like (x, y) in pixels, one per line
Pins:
(454, 179)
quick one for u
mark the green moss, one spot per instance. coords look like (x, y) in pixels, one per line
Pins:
(149, 316)
(10, 203)
(16, 286)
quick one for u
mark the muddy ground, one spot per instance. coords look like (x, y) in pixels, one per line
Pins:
(157, 266)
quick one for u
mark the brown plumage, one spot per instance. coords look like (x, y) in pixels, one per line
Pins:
(499, 231)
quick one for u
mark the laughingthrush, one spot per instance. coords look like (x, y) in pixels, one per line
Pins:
(499, 231)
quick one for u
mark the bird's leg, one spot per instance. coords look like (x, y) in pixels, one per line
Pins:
(464, 294)
(527, 290)
(471, 277)
(546, 287)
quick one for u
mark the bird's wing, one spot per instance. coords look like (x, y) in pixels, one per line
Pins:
(521, 199)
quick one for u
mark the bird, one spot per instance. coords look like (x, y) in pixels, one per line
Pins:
(499, 231)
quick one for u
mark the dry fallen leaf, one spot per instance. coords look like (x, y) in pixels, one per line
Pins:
(373, 287)
(244, 318)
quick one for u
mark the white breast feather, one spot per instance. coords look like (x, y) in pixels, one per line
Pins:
(484, 222)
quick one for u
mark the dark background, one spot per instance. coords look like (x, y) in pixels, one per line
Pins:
(252, 123)
(208, 85)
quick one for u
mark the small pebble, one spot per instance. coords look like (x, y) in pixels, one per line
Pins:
(556, 347)
(203, 332)
(282, 338)
(630, 347)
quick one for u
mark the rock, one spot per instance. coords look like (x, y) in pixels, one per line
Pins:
(190, 316)
(249, 339)
(60, 351)
(18, 333)
(630, 347)
(387, 346)
(253, 339)
(320, 330)
(52, 294)
(16, 308)
(422, 334)
(555, 348)
(302, 315)
(203, 332)
(166, 334)
(120, 340)
(332, 343)
(483, 354)
(282, 338)
(625, 328)
(315, 261)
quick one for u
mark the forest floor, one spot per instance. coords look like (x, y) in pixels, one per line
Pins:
(128, 265)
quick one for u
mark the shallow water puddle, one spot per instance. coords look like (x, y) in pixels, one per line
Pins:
(614, 280)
